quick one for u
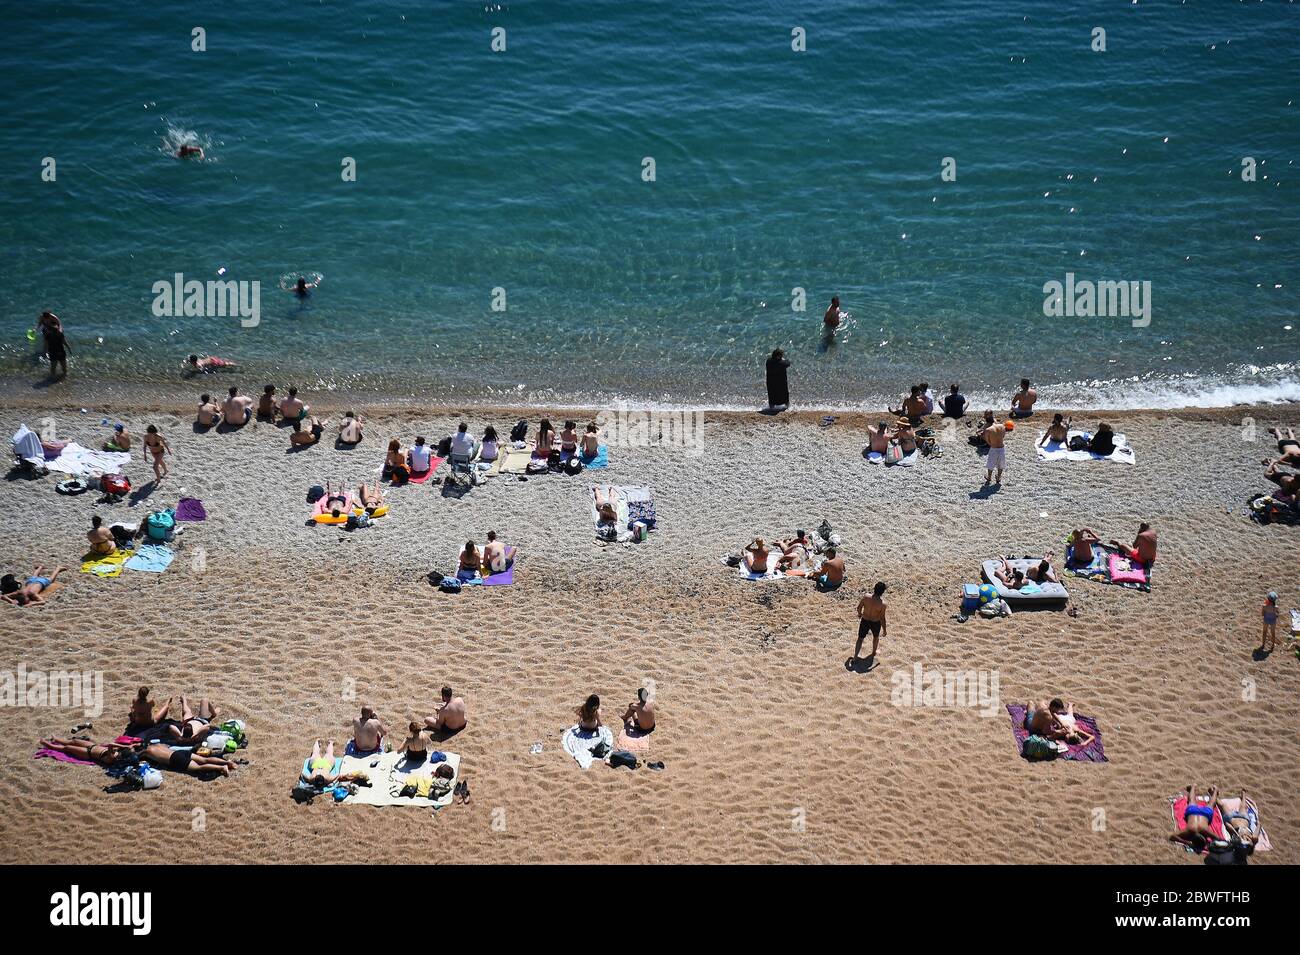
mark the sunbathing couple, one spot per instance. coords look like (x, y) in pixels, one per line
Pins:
(1197, 832)
(797, 559)
(156, 736)
(493, 559)
(883, 437)
(400, 465)
(31, 591)
(1142, 552)
(1055, 720)
(339, 503)
(1288, 449)
(1017, 579)
(638, 718)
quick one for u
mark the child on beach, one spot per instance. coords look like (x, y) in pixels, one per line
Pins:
(1268, 643)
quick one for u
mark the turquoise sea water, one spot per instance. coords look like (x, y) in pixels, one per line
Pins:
(775, 169)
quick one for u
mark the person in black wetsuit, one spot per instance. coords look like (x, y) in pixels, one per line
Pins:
(778, 384)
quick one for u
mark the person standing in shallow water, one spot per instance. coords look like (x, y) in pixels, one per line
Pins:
(778, 382)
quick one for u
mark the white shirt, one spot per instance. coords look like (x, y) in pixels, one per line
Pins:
(419, 458)
(462, 444)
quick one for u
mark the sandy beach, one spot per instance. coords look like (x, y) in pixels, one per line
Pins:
(773, 751)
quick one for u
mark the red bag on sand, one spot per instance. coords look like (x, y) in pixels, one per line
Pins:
(115, 484)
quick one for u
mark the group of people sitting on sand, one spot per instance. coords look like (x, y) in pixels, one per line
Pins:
(1101, 441)
(493, 558)
(637, 719)
(153, 735)
(1142, 551)
(797, 556)
(238, 410)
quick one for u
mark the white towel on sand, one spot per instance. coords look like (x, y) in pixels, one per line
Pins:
(83, 462)
(391, 773)
(1060, 450)
(579, 743)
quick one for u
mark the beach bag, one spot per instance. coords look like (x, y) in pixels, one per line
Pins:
(159, 525)
(449, 585)
(573, 466)
(824, 531)
(606, 532)
(1036, 748)
(315, 493)
(235, 730)
(400, 474)
(553, 460)
(115, 484)
(520, 431)
(1079, 443)
(621, 757)
(444, 448)
(536, 467)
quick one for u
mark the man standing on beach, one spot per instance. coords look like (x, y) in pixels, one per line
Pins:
(778, 384)
(995, 435)
(871, 619)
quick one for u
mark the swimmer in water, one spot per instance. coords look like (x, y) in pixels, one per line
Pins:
(301, 289)
(189, 152)
(832, 318)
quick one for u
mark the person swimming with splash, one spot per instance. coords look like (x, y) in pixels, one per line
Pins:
(189, 152)
(301, 288)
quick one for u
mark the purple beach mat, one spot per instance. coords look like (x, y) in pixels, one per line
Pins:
(507, 576)
(190, 509)
(1093, 753)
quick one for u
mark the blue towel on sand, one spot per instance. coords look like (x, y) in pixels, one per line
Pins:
(601, 460)
(153, 558)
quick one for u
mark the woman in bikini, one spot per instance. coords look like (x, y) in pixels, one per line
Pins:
(371, 500)
(144, 714)
(105, 754)
(569, 437)
(395, 468)
(320, 767)
(155, 445)
(470, 562)
(545, 439)
(193, 726)
(1083, 540)
(589, 714)
(756, 555)
(30, 590)
(416, 746)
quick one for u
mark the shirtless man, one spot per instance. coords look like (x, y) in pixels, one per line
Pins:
(795, 551)
(1040, 718)
(237, 409)
(1287, 483)
(100, 537)
(209, 363)
(1083, 540)
(293, 408)
(913, 407)
(755, 556)
(1288, 447)
(451, 715)
(31, 589)
(995, 435)
(831, 320)
(832, 574)
(1144, 546)
(368, 732)
(494, 554)
(1058, 431)
(266, 404)
(1198, 818)
(209, 413)
(880, 437)
(871, 619)
(639, 717)
(120, 441)
(1022, 402)
(350, 428)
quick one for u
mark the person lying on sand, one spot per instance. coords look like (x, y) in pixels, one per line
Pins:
(105, 754)
(1288, 484)
(320, 766)
(266, 404)
(372, 499)
(237, 409)
(30, 591)
(639, 717)
(350, 428)
(1083, 540)
(589, 714)
(415, 746)
(606, 506)
(880, 437)
(310, 435)
(1288, 447)
(1040, 718)
(209, 363)
(336, 502)
(832, 571)
(159, 754)
(194, 726)
(293, 408)
(1058, 431)
(1197, 820)
(368, 732)
(1144, 546)
(1067, 725)
(209, 412)
(102, 542)
(755, 556)
(1236, 822)
(795, 551)
(120, 441)
(1040, 573)
(450, 716)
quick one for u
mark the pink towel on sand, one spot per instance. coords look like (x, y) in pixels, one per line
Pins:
(433, 466)
(61, 757)
(1125, 571)
(1178, 806)
(634, 741)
